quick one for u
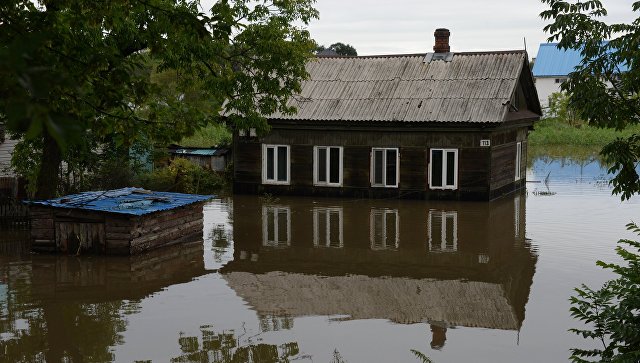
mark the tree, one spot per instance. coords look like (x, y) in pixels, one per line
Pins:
(72, 67)
(340, 48)
(612, 310)
(604, 88)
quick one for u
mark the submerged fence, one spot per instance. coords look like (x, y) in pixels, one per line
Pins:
(13, 215)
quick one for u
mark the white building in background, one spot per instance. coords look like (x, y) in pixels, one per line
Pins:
(551, 68)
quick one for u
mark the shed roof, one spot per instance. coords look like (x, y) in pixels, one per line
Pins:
(472, 87)
(130, 201)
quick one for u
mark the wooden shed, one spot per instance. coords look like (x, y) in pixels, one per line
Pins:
(213, 158)
(116, 222)
(440, 125)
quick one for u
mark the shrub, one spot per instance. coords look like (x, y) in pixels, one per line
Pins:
(182, 176)
(613, 311)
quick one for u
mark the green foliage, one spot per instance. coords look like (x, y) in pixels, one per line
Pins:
(212, 135)
(340, 48)
(556, 131)
(611, 312)
(423, 357)
(182, 176)
(560, 108)
(600, 90)
(142, 70)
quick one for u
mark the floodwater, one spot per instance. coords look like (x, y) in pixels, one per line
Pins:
(327, 280)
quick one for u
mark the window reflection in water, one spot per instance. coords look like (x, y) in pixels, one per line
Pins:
(443, 231)
(327, 227)
(516, 215)
(384, 229)
(276, 226)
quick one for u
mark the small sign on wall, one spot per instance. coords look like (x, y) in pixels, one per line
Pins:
(485, 143)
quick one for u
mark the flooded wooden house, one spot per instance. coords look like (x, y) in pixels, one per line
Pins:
(115, 222)
(440, 125)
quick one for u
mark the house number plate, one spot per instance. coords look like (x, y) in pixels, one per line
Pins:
(485, 143)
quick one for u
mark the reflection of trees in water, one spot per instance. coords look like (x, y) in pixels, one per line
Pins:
(275, 323)
(65, 332)
(56, 330)
(220, 237)
(225, 347)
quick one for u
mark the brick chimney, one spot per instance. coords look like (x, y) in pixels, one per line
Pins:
(442, 41)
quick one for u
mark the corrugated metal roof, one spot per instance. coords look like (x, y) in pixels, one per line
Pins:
(199, 152)
(131, 201)
(554, 62)
(473, 87)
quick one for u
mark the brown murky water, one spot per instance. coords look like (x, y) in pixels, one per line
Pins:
(324, 280)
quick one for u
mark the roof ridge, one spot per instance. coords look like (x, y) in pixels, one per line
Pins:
(411, 55)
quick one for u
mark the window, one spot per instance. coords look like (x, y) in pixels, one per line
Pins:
(275, 164)
(518, 160)
(443, 231)
(276, 226)
(327, 227)
(558, 80)
(327, 169)
(385, 164)
(443, 169)
(384, 231)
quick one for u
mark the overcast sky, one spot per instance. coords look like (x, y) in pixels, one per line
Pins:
(406, 26)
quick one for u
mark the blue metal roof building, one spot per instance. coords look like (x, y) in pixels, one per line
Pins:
(554, 62)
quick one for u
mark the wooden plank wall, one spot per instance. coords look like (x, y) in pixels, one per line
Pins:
(42, 229)
(60, 230)
(414, 146)
(166, 228)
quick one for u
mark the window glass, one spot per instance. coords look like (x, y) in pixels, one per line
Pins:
(378, 162)
(436, 168)
(270, 163)
(282, 163)
(322, 164)
(391, 167)
(334, 165)
(451, 168)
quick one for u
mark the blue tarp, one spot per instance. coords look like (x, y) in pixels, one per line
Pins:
(130, 201)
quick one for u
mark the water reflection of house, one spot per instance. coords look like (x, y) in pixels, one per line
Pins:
(449, 264)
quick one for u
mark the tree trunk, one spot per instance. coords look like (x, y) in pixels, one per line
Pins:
(48, 176)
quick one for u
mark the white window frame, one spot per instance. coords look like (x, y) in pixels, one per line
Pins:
(326, 213)
(384, 167)
(277, 242)
(383, 243)
(275, 165)
(444, 169)
(518, 174)
(327, 166)
(442, 216)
